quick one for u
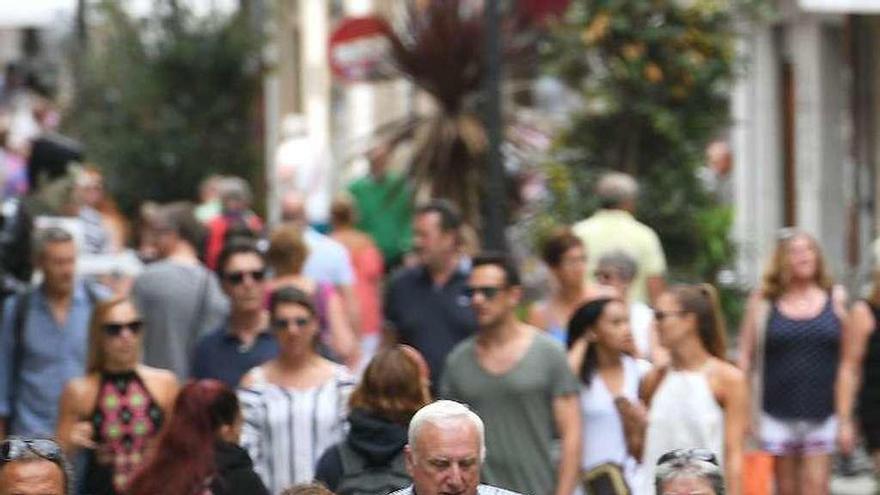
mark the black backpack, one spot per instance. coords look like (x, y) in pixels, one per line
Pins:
(360, 479)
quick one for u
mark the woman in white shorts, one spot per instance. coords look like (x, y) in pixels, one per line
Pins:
(791, 345)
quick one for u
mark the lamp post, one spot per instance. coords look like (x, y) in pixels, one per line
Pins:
(495, 201)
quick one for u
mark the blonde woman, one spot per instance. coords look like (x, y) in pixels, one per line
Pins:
(790, 344)
(117, 410)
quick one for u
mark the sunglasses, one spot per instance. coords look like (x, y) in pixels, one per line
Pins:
(115, 329)
(688, 454)
(488, 292)
(236, 278)
(12, 449)
(662, 315)
(282, 324)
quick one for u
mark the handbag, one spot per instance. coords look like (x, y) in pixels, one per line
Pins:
(605, 479)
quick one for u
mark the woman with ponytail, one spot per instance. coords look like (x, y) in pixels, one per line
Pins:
(198, 453)
(790, 345)
(599, 339)
(699, 400)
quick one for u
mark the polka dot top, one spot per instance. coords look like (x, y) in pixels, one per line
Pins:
(800, 364)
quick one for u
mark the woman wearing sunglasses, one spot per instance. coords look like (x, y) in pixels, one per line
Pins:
(699, 400)
(113, 414)
(286, 256)
(295, 405)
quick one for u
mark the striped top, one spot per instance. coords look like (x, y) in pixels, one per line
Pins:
(286, 429)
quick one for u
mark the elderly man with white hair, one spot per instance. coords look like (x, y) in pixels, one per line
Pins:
(614, 228)
(445, 452)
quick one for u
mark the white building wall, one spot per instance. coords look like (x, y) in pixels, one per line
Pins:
(756, 139)
(823, 175)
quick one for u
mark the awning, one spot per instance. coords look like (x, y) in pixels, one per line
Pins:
(842, 6)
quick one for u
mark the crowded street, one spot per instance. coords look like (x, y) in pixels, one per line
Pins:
(458, 247)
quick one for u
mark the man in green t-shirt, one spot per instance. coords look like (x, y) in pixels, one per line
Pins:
(517, 379)
(384, 205)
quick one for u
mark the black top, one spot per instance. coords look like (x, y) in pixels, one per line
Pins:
(869, 394)
(431, 318)
(800, 364)
(377, 440)
(235, 472)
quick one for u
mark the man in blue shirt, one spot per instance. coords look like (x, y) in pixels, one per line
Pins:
(244, 341)
(49, 347)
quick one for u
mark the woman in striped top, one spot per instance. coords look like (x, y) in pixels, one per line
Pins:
(295, 405)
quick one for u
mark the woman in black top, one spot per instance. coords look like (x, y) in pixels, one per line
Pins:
(199, 454)
(859, 380)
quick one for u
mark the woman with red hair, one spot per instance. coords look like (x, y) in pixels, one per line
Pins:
(370, 460)
(198, 453)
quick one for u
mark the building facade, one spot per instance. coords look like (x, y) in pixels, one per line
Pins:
(805, 135)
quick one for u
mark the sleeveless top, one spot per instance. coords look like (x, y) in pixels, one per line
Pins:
(287, 429)
(684, 414)
(800, 364)
(125, 419)
(869, 394)
(603, 429)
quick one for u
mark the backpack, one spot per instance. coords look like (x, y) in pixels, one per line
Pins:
(360, 479)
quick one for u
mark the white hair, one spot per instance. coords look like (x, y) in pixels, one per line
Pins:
(443, 412)
(616, 188)
(689, 468)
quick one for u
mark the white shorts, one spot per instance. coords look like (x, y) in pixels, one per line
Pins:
(782, 437)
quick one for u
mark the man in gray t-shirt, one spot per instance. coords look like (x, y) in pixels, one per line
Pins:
(179, 298)
(517, 379)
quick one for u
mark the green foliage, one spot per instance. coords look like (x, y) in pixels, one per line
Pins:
(162, 102)
(655, 77)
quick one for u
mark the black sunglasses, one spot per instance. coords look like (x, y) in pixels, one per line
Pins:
(688, 454)
(283, 324)
(12, 449)
(115, 329)
(236, 278)
(487, 291)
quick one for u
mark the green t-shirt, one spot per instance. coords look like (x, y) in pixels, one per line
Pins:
(517, 409)
(385, 211)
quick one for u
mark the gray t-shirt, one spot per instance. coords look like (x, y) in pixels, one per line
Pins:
(179, 303)
(517, 409)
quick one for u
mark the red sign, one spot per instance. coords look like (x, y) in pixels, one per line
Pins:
(360, 49)
(543, 10)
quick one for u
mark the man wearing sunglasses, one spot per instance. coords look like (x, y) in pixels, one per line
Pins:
(244, 341)
(517, 379)
(33, 467)
(43, 338)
